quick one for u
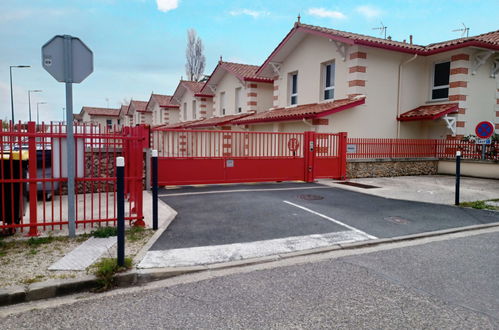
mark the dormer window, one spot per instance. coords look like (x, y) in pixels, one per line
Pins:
(293, 88)
(193, 109)
(440, 83)
(328, 70)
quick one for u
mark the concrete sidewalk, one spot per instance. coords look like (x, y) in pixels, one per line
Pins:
(438, 189)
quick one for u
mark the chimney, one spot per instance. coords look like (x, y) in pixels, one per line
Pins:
(389, 38)
(410, 39)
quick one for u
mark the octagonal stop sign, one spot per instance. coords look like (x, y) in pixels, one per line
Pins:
(67, 59)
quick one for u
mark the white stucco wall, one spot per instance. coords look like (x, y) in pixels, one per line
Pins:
(481, 98)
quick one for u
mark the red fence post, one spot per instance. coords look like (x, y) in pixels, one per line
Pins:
(32, 163)
(342, 153)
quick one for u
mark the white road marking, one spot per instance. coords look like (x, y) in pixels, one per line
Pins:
(332, 220)
(239, 190)
(204, 255)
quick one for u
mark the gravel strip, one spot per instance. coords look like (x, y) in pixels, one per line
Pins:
(23, 262)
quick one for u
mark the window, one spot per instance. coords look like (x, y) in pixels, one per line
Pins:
(293, 88)
(109, 123)
(193, 109)
(440, 86)
(328, 71)
(185, 111)
(238, 107)
(119, 121)
(222, 103)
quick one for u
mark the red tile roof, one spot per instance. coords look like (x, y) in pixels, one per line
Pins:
(106, 112)
(429, 112)
(306, 111)
(193, 86)
(219, 121)
(244, 71)
(488, 40)
(183, 124)
(124, 109)
(164, 101)
(139, 106)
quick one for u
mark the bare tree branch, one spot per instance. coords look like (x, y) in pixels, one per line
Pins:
(195, 60)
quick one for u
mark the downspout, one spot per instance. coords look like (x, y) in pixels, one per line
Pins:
(308, 124)
(399, 92)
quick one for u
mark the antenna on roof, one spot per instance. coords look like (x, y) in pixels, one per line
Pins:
(464, 30)
(382, 29)
(298, 18)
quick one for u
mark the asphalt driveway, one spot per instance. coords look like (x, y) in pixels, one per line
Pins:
(216, 215)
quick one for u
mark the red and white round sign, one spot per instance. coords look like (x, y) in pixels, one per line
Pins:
(484, 129)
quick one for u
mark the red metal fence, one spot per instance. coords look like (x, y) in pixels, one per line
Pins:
(367, 148)
(200, 157)
(33, 175)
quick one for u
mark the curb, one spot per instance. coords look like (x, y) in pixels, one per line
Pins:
(57, 288)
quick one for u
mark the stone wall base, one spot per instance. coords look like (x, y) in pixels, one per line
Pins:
(372, 168)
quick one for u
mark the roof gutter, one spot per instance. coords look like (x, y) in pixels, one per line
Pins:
(399, 91)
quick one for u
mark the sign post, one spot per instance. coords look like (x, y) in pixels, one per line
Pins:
(484, 131)
(70, 61)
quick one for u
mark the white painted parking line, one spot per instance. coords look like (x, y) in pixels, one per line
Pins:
(332, 220)
(204, 255)
(239, 190)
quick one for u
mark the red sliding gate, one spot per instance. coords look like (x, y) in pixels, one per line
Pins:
(202, 157)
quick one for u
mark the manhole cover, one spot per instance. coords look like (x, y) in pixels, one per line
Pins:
(310, 197)
(358, 185)
(397, 220)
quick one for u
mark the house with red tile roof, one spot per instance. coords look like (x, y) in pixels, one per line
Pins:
(105, 117)
(163, 110)
(124, 119)
(193, 103)
(138, 113)
(332, 81)
(237, 89)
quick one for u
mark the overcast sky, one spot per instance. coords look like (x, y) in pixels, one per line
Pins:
(139, 45)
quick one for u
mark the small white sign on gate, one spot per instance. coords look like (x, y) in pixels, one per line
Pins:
(351, 148)
(230, 163)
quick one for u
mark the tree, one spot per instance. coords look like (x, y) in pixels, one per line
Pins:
(194, 66)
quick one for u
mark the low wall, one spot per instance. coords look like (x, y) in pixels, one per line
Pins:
(477, 168)
(386, 167)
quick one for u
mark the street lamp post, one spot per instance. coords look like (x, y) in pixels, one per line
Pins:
(29, 99)
(38, 112)
(11, 91)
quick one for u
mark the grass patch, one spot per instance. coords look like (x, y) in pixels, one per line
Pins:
(104, 232)
(135, 234)
(32, 280)
(480, 205)
(37, 241)
(105, 270)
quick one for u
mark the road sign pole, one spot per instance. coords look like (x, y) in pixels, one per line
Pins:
(68, 58)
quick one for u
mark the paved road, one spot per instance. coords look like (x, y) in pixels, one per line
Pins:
(444, 284)
(217, 215)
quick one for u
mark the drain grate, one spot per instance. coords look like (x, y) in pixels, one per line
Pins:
(397, 220)
(358, 185)
(309, 197)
